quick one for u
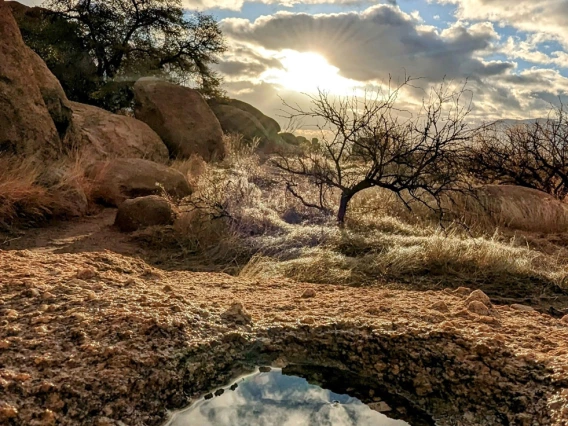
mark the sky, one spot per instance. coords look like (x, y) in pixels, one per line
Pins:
(512, 53)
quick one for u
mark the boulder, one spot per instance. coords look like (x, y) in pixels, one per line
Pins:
(143, 212)
(289, 138)
(52, 93)
(117, 180)
(270, 125)
(236, 121)
(181, 117)
(26, 127)
(102, 134)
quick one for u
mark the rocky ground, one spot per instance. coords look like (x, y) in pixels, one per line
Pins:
(97, 337)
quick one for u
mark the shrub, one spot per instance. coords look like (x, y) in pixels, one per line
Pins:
(532, 155)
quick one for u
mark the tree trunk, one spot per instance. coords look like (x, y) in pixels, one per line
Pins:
(346, 197)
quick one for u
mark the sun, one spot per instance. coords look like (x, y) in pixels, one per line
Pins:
(307, 72)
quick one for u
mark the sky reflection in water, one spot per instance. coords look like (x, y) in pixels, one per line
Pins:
(274, 399)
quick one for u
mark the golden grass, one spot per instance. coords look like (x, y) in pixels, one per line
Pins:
(328, 255)
(31, 192)
(382, 241)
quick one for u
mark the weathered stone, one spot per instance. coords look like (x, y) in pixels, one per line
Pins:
(308, 293)
(289, 138)
(480, 296)
(142, 212)
(52, 93)
(271, 125)
(237, 314)
(462, 291)
(524, 308)
(478, 308)
(236, 121)
(102, 135)
(181, 117)
(120, 179)
(440, 306)
(26, 127)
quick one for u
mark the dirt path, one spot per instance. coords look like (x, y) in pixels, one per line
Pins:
(91, 334)
(87, 234)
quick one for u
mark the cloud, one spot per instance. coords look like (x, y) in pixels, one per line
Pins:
(548, 17)
(372, 44)
(238, 4)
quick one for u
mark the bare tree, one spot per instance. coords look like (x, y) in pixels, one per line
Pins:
(533, 155)
(369, 142)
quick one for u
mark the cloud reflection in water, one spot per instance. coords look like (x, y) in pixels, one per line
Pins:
(270, 399)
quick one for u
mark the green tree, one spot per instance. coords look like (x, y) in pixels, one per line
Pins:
(126, 39)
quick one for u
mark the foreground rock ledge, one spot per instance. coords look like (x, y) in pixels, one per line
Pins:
(102, 339)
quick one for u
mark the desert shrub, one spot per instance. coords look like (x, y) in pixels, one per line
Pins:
(533, 155)
(367, 144)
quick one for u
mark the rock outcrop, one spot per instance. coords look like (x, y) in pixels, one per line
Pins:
(52, 93)
(289, 138)
(26, 126)
(181, 117)
(269, 125)
(101, 134)
(142, 212)
(237, 121)
(118, 180)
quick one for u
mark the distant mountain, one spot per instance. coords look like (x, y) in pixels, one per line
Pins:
(508, 122)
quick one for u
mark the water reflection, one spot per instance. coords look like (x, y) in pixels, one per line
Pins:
(272, 398)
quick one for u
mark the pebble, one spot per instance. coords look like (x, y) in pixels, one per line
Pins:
(478, 308)
(308, 293)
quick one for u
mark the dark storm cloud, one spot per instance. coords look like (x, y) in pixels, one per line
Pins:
(372, 44)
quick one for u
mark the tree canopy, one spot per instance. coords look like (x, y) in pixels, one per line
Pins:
(127, 39)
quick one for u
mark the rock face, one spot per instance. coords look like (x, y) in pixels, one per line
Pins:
(52, 93)
(236, 121)
(26, 126)
(142, 212)
(103, 134)
(181, 117)
(269, 126)
(289, 138)
(118, 180)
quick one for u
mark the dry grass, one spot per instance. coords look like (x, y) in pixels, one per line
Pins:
(31, 192)
(260, 231)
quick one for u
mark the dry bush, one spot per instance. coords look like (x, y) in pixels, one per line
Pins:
(236, 223)
(533, 155)
(192, 168)
(32, 192)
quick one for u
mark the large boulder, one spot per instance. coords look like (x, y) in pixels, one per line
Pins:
(289, 138)
(181, 117)
(236, 121)
(143, 212)
(102, 134)
(117, 180)
(270, 125)
(26, 127)
(52, 93)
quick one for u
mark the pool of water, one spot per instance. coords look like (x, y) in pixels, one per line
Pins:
(267, 398)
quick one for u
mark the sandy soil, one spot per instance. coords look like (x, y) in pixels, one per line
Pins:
(95, 336)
